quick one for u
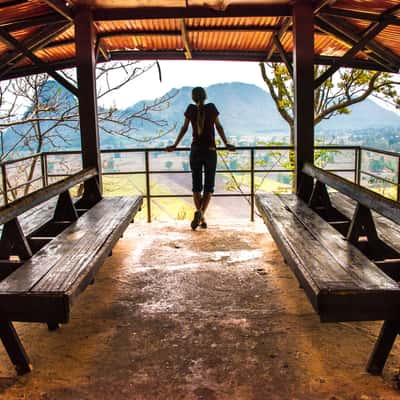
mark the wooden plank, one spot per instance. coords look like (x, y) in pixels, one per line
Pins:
(388, 231)
(63, 268)
(338, 291)
(34, 218)
(97, 225)
(22, 205)
(310, 263)
(374, 201)
(364, 273)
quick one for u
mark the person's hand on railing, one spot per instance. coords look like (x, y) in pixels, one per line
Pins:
(170, 148)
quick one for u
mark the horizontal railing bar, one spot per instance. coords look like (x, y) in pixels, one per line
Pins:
(161, 196)
(379, 151)
(378, 177)
(24, 184)
(15, 160)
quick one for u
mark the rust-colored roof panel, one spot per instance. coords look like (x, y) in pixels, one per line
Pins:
(369, 6)
(241, 34)
(389, 37)
(20, 35)
(32, 8)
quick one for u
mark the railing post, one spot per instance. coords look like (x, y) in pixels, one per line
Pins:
(148, 195)
(252, 185)
(43, 166)
(4, 183)
(398, 178)
(357, 171)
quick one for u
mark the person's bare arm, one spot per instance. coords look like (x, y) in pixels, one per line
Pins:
(221, 132)
(181, 134)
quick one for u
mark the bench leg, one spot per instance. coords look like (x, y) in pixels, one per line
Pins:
(14, 347)
(53, 326)
(387, 336)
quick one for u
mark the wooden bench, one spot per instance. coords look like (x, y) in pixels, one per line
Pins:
(47, 266)
(340, 260)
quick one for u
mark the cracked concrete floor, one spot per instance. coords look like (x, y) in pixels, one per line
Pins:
(206, 315)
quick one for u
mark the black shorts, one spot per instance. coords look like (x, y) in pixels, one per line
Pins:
(199, 158)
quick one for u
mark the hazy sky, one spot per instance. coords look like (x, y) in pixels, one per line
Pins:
(176, 74)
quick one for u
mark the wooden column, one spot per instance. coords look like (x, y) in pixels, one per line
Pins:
(85, 39)
(303, 57)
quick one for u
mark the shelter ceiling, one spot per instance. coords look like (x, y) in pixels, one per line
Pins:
(239, 30)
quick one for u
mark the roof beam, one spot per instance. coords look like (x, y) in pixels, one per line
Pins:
(283, 54)
(11, 41)
(369, 34)
(379, 49)
(185, 40)
(255, 56)
(61, 8)
(255, 10)
(32, 22)
(344, 33)
(34, 43)
(366, 16)
(286, 24)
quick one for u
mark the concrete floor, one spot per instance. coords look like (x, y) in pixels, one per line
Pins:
(206, 315)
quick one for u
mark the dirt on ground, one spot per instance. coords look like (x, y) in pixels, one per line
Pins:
(207, 315)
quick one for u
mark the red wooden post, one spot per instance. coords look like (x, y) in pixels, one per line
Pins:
(85, 39)
(303, 57)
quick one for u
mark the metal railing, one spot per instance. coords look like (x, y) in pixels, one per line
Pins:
(252, 167)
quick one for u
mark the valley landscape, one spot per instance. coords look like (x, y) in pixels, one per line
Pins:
(250, 118)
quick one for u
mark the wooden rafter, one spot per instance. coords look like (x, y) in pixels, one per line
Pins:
(11, 41)
(61, 8)
(369, 34)
(101, 49)
(185, 40)
(366, 16)
(379, 53)
(33, 43)
(283, 54)
(48, 19)
(254, 56)
(286, 24)
(255, 10)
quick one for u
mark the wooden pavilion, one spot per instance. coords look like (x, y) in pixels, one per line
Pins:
(48, 35)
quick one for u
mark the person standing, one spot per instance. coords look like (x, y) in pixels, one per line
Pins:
(203, 152)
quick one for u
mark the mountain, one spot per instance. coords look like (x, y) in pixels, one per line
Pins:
(245, 110)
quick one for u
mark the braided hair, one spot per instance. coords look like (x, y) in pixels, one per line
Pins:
(199, 96)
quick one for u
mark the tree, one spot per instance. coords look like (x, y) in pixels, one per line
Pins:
(37, 114)
(335, 96)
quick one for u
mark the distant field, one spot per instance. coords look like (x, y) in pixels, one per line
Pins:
(177, 208)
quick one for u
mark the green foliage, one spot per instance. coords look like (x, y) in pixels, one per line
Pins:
(335, 96)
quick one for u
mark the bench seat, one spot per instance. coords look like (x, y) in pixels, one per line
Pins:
(341, 283)
(44, 288)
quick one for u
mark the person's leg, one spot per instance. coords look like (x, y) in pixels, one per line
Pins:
(196, 165)
(210, 167)
(197, 199)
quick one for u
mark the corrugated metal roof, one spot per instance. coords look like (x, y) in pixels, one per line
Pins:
(234, 35)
